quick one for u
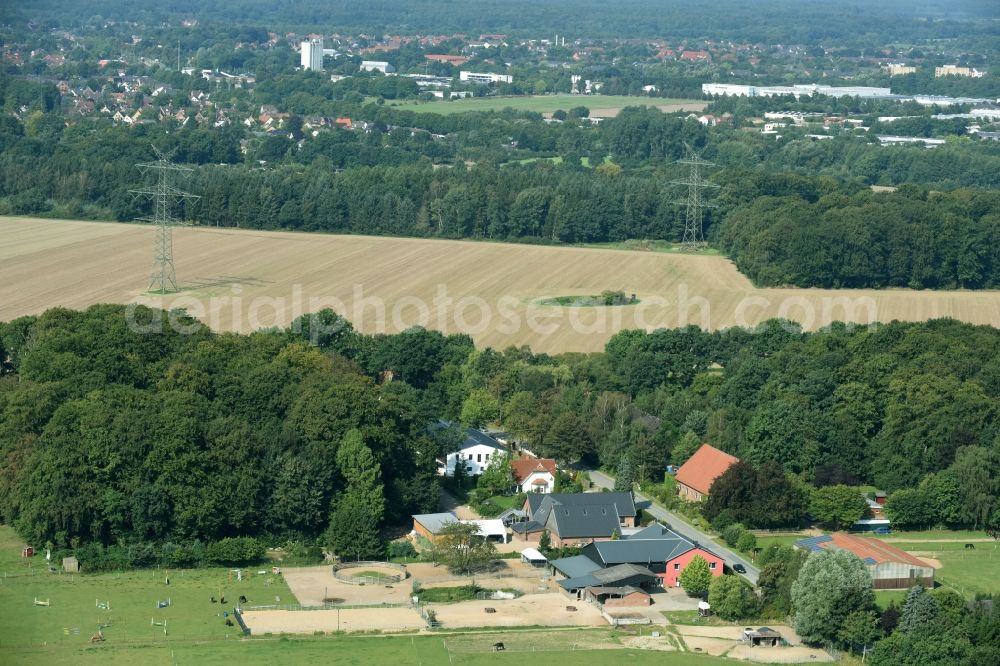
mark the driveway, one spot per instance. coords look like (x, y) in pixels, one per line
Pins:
(682, 527)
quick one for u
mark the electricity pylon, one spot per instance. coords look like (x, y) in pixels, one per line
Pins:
(163, 279)
(694, 232)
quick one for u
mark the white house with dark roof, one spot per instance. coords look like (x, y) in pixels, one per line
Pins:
(475, 453)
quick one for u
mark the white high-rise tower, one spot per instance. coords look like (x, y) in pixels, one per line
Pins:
(312, 54)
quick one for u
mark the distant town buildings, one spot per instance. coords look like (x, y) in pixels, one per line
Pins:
(312, 54)
(479, 77)
(952, 70)
(454, 60)
(377, 66)
(899, 69)
(809, 89)
(863, 92)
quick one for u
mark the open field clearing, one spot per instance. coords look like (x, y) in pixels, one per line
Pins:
(967, 570)
(245, 280)
(601, 106)
(72, 616)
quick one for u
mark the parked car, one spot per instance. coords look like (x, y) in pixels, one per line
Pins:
(882, 530)
(739, 568)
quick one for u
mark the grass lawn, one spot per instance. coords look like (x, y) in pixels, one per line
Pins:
(446, 595)
(73, 617)
(765, 541)
(947, 535)
(538, 103)
(884, 597)
(691, 617)
(352, 651)
(968, 571)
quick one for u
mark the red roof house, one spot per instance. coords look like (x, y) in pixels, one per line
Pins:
(534, 475)
(455, 60)
(695, 55)
(696, 476)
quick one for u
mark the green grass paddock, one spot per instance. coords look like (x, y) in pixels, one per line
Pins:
(132, 595)
(353, 651)
(968, 571)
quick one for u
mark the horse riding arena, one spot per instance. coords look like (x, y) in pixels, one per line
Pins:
(243, 280)
(389, 619)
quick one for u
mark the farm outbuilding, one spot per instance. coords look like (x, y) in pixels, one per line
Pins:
(763, 637)
(71, 564)
(890, 567)
(614, 597)
(622, 575)
(533, 557)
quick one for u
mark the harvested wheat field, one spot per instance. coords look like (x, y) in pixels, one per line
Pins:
(244, 280)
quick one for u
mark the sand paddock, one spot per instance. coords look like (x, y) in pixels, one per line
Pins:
(311, 585)
(532, 609)
(726, 640)
(349, 619)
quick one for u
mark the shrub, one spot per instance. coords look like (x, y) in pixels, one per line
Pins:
(235, 550)
(401, 549)
(731, 535)
(747, 542)
(723, 520)
(178, 555)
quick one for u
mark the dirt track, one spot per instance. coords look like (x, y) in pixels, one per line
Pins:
(244, 280)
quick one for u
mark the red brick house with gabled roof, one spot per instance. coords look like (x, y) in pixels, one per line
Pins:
(696, 476)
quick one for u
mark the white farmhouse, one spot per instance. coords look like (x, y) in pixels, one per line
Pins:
(475, 453)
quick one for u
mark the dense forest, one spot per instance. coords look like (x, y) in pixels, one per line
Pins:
(155, 443)
(773, 21)
(911, 238)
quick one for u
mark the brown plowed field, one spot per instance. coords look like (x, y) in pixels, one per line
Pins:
(246, 279)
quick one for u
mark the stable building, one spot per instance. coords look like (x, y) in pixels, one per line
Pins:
(430, 525)
(696, 476)
(622, 575)
(656, 548)
(617, 597)
(890, 567)
(576, 518)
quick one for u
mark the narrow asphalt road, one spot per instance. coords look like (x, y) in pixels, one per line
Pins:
(684, 528)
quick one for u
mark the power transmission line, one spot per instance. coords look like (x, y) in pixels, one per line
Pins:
(694, 232)
(163, 279)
